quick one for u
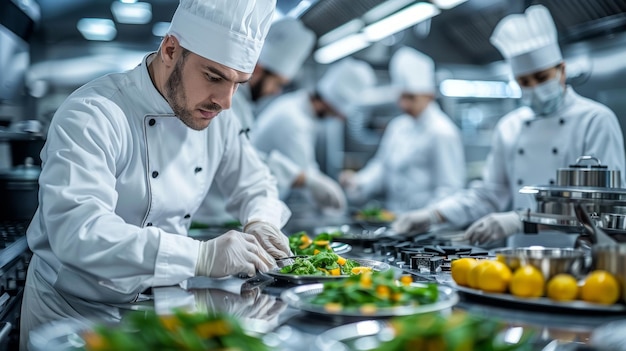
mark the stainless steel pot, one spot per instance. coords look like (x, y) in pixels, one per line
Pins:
(19, 190)
(595, 175)
(612, 258)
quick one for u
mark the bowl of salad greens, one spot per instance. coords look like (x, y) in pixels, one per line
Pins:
(432, 331)
(371, 294)
(146, 330)
(301, 243)
(321, 267)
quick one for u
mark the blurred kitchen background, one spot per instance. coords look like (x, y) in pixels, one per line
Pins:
(48, 48)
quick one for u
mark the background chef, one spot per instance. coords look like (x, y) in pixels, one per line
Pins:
(420, 158)
(286, 47)
(289, 124)
(532, 142)
(129, 158)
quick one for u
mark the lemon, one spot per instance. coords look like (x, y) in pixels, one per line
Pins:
(527, 281)
(562, 287)
(495, 277)
(473, 277)
(600, 287)
(460, 269)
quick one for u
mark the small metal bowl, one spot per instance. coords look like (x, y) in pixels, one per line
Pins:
(550, 261)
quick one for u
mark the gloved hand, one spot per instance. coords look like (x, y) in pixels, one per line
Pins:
(271, 238)
(494, 226)
(347, 179)
(232, 253)
(418, 221)
(326, 192)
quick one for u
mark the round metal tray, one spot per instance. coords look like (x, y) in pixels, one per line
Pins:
(300, 297)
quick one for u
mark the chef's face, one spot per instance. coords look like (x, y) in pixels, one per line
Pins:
(198, 89)
(265, 83)
(414, 104)
(533, 79)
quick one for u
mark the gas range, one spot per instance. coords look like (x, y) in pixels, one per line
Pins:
(14, 259)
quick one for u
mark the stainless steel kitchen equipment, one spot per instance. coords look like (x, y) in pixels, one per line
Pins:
(595, 175)
(594, 187)
(19, 189)
(611, 258)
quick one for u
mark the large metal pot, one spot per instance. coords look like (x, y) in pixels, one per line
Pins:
(593, 175)
(19, 189)
(611, 258)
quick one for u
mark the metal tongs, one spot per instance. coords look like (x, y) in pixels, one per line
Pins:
(592, 235)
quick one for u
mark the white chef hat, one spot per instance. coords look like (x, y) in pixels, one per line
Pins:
(229, 32)
(412, 72)
(343, 83)
(528, 41)
(287, 45)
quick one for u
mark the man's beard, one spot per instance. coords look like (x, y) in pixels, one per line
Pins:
(256, 90)
(175, 94)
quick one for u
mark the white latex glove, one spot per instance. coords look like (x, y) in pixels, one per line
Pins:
(232, 253)
(347, 179)
(326, 192)
(418, 221)
(271, 238)
(494, 226)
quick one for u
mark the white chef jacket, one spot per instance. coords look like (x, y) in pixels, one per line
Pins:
(213, 209)
(121, 177)
(419, 160)
(528, 150)
(288, 125)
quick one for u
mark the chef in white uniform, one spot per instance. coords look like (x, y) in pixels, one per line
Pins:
(289, 123)
(420, 158)
(287, 46)
(128, 159)
(530, 143)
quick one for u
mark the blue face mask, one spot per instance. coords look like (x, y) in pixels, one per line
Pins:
(544, 98)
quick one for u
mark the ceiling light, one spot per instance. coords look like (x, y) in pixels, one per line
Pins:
(400, 21)
(132, 13)
(479, 89)
(301, 8)
(447, 4)
(341, 48)
(97, 29)
(159, 29)
(343, 30)
(385, 9)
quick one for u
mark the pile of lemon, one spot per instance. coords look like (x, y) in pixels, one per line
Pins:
(526, 281)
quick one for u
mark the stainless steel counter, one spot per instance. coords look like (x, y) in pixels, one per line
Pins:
(260, 308)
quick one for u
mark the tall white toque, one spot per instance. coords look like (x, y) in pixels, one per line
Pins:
(288, 44)
(343, 84)
(412, 72)
(529, 41)
(229, 32)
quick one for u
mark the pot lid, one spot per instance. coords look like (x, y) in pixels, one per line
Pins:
(580, 166)
(575, 192)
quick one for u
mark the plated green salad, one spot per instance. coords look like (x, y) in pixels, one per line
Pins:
(324, 264)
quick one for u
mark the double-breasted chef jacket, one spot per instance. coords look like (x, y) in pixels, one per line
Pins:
(121, 178)
(527, 149)
(418, 162)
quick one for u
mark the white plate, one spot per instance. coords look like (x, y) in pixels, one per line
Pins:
(309, 279)
(301, 296)
(543, 302)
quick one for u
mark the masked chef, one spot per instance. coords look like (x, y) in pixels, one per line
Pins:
(420, 158)
(289, 124)
(287, 46)
(129, 158)
(530, 143)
